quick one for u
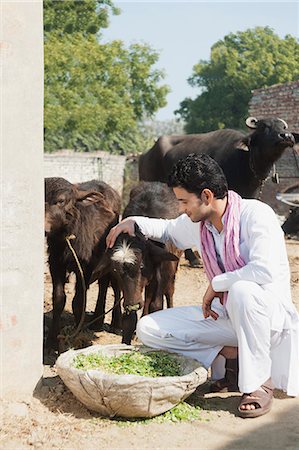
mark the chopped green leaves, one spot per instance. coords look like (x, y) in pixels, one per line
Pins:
(151, 364)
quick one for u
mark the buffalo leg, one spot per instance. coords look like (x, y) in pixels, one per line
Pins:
(169, 291)
(155, 292)
(190, 256)
(99, 311)
(116, 322)
(157, 304)
(78, 300)
(58, 298)
(169, 300)
(148, 294)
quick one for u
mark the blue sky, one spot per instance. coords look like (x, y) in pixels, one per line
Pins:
(183, 33)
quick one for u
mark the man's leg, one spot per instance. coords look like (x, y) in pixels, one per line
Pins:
(250, 312)
(184, 330)
(229, 382)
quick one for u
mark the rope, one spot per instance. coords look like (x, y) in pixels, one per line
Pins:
(80, 327)
(67, 338)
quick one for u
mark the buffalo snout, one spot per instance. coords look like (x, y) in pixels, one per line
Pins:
(130, 307)
(287, 137)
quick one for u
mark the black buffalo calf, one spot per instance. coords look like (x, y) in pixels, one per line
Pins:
(145, 269)
(86, 216)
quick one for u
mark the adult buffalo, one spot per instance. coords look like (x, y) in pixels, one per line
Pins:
(84, 215)
(246, 159)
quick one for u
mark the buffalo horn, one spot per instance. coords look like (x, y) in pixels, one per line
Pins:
(285, 124)
(251, 122)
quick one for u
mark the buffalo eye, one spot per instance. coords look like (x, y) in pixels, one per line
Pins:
(60, 201)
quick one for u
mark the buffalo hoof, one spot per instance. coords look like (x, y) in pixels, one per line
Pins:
(194, 263)
(113, 330)
(126, 341)
(94, 323)
(96, 326)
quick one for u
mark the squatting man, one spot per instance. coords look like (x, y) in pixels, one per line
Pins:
(247, 329)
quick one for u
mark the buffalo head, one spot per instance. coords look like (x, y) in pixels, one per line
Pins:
(61, 198)
(270, 137)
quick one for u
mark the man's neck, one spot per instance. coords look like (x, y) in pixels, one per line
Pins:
(219, 208)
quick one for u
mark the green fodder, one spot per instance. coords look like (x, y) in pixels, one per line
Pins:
(151, 364)
(183, 412)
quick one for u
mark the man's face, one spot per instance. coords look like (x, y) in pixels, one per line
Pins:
(190, 204)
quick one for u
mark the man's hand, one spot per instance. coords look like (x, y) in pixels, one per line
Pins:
(125, 226)
(207, 302)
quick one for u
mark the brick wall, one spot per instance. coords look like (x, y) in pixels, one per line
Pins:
(79, 167)
(279, 100)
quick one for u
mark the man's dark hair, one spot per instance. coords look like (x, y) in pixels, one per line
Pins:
(197, 172)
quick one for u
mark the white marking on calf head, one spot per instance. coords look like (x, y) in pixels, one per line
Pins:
(124, 254)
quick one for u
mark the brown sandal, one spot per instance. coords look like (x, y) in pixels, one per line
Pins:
(230, 381)
(263, 400)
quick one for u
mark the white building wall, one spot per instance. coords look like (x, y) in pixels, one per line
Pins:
(22, 251)
(79, 167)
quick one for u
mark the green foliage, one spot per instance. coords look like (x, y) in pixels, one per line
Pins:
(180, 413)
(151, 364)
(95, 94)
(77, 16)
(144, 135)
(183, 412)
(239, 63)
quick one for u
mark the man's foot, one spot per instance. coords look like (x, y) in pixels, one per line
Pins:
(230, 381)
(258, 402)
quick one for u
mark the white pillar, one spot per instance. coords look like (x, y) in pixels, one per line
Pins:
(22, 203)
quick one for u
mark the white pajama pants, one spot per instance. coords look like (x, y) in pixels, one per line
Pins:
(244, 323)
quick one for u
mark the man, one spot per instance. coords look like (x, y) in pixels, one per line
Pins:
(247, 315)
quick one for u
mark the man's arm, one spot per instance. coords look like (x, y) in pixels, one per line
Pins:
(181, 231)
(207, 300)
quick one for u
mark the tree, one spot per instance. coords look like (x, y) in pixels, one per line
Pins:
(95, 94)
(239, 63)
(77, 16)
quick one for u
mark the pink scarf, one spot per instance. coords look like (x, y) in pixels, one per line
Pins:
(231, 227)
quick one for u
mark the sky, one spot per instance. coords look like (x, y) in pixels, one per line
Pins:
(183, 33)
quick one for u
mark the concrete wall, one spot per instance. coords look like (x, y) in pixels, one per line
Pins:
(279, 100)
(78, 167)
(22, 242)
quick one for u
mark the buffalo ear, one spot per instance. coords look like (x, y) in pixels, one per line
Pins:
(102, 268)
(159, 254)
(138, 233)
(244, 144)
(89, 197)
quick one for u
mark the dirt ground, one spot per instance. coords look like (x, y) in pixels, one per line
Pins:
(54, 419)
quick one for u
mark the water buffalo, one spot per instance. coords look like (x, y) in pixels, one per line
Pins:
(290, 196)
(86, 216)
(140, 264)
(291, 225)
(246, 159)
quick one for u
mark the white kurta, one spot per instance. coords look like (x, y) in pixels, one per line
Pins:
(260, 317)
